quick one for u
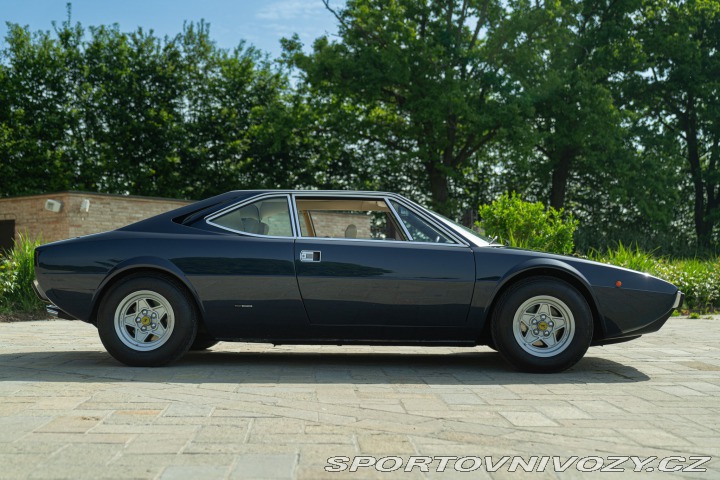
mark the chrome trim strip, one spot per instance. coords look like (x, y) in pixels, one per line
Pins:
(39, 291)
(296, 216)
(420, 211)
(209, 218)
(384, 242)
(398, 220)
(403, 201)
(417, 209)
(456, 233)
(246, 201)
(248, 234)
(678, 299)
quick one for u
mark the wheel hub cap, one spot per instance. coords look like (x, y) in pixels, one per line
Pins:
(544, 326)
(144, 320)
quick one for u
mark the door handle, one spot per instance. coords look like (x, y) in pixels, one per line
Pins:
(309, 255)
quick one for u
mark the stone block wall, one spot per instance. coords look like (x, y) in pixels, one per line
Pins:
(106, 212)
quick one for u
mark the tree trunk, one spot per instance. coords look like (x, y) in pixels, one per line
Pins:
(438, 189)
(560, 174)
(703, 222)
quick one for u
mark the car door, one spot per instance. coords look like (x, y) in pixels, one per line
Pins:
(247, 278)
(357, 265)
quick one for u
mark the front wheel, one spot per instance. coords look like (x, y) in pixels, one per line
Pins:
(542, 325)
(147, 321)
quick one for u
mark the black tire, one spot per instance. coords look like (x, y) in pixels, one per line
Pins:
(124, 342)
(524, 339)
(203, 341)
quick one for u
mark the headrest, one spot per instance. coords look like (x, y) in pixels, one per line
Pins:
(250, 225)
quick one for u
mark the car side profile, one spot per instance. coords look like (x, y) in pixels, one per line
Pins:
(338, 267)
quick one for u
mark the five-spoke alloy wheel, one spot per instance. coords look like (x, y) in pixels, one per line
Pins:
(147, 321)
(144, 320)
(542, 324)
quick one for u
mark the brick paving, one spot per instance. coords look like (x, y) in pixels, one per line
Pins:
(68, 410)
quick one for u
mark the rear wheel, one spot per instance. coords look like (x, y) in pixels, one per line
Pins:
(147, 321)
(542, 324)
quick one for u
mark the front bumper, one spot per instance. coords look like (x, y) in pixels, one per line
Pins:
(653, 326)
(679, 299)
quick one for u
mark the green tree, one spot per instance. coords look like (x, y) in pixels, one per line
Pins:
(132, 95)
(35, 114)
(567, 57)
(413, 89)
(109, 111)
(680, 93)
(243, 127)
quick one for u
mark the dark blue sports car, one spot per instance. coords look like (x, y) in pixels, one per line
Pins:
(338, 267)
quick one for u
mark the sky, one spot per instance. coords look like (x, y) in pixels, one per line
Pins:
(258, 22)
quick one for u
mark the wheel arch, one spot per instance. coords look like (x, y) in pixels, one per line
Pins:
(538, 268)
(151, 266)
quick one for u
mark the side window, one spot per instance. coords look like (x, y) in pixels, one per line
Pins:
(419, 229)
(270, 216)
(368, 219)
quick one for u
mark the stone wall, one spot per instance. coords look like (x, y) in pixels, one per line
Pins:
(333, 225)
(106, 212)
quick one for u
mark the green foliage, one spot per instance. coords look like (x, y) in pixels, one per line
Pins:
(134, 113)
(630, 257)
(607, 109)
(675, 90)
(412, 88)
(698, 279)
(16, 276)
(565, 55)
(528, 225)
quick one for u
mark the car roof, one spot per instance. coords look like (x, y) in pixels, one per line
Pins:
(164, 221)
(338, 192)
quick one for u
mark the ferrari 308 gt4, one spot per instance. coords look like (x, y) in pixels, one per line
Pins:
(338, 267)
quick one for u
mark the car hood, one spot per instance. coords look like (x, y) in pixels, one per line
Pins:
(595, 273)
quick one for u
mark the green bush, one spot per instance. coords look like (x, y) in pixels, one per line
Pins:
(698, 279)
(17, 273)
(528, 225)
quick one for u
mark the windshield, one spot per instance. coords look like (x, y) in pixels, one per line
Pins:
(466, 232)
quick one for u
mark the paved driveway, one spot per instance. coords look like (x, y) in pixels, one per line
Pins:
(67, 410)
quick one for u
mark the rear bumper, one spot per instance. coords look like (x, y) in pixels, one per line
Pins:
(57, 313)
(39, 292)
(50, 308)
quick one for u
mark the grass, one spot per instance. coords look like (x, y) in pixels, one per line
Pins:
(628, 257)
(16, 276)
